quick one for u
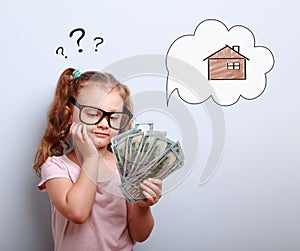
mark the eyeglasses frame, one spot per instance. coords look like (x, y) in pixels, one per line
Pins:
(105, 113)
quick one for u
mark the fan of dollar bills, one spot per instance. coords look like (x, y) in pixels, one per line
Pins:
(141, 154)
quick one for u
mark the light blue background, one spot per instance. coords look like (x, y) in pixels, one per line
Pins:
(252, 201)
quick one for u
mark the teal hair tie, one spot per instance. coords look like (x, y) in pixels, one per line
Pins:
(76, 74)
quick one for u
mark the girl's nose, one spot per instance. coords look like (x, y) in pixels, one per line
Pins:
(103, 123)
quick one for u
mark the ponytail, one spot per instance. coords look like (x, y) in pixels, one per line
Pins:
(55, 139)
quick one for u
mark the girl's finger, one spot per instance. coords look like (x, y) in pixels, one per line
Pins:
(156, 188)
(149, 190)
(157, 182)
(73, 127)
(71, 130)
(150, 199)
(85, 135)
(78, 131)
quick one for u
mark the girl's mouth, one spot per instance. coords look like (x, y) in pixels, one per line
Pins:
(101, 134)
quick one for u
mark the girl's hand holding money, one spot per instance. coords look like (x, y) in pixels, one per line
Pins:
(152, 189)
(140, 219)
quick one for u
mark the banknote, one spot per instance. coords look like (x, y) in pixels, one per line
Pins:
(134, 143)
(142, 154)
(153, 161)
(132, 191)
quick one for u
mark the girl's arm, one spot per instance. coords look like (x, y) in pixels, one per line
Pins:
(75, 201)
(140, 219)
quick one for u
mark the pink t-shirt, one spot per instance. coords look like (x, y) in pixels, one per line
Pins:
(106, 227)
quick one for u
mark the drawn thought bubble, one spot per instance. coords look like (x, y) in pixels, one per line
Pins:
(226, 65)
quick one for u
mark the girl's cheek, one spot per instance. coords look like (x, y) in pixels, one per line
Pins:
(90, 134)
(114, 132)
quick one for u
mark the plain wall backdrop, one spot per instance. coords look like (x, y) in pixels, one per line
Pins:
(252, 200)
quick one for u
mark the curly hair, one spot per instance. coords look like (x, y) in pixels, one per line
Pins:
(56, 140)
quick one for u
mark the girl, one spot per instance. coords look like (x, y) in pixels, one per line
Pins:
(87, 213)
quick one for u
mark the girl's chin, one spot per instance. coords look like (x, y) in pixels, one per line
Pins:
(102, 145)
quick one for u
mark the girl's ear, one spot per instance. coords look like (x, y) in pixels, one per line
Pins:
(68, 113)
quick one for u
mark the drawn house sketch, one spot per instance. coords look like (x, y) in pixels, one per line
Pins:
(227, 63)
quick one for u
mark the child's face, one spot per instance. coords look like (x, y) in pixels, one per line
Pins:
(95, 96)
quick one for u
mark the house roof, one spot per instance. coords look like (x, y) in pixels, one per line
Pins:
(225, 53)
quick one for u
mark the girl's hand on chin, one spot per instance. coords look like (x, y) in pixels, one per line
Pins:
(82, 140)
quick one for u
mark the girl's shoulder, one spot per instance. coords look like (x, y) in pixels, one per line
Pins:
(59, 161)
(58, 167)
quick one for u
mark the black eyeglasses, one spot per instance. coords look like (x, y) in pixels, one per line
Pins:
(90, 115)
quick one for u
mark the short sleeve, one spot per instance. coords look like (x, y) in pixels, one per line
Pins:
(53, 167)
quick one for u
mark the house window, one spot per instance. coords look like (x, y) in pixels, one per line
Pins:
(233, 66)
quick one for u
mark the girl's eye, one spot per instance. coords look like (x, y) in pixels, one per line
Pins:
(115, 116)
(91, 113)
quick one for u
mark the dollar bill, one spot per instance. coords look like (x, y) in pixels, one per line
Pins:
(119, 152)
(134, 141)
(148, 141)
(144, 126)
(114, 140)
(144, 154)
(157, 151)
(132, 191)
(166, 162)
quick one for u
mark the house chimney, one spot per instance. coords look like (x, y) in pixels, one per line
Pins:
(236, 48)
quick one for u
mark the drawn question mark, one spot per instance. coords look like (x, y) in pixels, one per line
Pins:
(62, 51)
(82, 35)
(101, 41)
